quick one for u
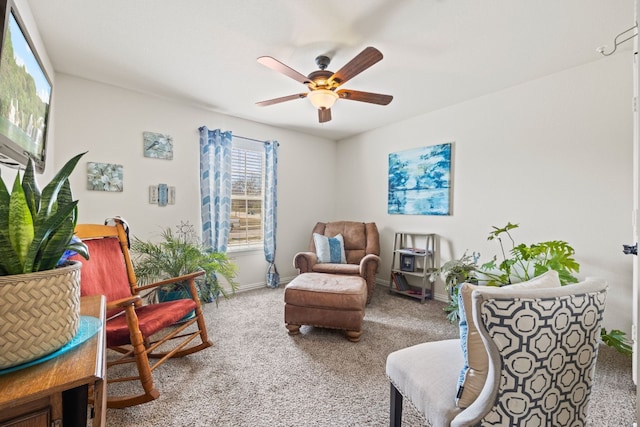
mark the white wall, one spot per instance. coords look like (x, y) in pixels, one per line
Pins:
(108, 122)
(553, 155)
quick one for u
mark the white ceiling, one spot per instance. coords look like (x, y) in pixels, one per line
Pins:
(436, 52)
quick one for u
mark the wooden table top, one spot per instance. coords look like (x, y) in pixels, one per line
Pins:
(79, 366)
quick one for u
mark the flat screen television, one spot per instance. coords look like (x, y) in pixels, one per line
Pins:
(25, 94)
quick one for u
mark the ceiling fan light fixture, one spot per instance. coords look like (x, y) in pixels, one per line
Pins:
(322, 83)
(322, 98)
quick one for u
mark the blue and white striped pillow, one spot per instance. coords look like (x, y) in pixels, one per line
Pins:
(330, 249)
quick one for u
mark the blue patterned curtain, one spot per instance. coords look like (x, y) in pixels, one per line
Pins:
(270, 211)
(215, 187)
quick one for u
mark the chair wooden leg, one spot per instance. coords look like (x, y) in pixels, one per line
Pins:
(293, 329)
(120, 402)
(353, 336)
(202, 326)
(142, 364)
(395, 407)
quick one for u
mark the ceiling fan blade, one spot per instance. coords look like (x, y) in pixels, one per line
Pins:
(361, 62)
(324, 114)
(278, 66)
(373, 98)
(281, 99)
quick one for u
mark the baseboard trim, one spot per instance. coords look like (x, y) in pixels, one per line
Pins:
(284, 280)
(259, 285)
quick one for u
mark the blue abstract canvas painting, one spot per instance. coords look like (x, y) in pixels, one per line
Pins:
(420, 181)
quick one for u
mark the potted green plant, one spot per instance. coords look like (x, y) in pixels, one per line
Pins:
(455, 272)
(524, 262)
(181, 253)
(38, 294)
(521, 263)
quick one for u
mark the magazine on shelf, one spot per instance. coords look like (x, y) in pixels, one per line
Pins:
(400, 282)
(413, 251)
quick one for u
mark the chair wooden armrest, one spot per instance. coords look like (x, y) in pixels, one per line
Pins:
(184, 278)
(122, 303)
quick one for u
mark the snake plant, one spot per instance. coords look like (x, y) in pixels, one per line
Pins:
(36, 227)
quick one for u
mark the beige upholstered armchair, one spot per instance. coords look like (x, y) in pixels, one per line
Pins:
(361, 250)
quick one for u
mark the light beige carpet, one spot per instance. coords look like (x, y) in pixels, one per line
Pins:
(258, 375)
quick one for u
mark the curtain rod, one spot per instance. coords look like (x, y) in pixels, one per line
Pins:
(233, 135)
(247, 138)
(254, 140)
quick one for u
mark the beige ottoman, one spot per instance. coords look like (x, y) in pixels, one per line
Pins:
(327, 301)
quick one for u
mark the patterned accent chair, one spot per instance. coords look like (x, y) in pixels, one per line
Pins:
(542, 346)
(361, 247)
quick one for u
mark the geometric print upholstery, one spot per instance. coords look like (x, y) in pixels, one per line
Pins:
(547, 348)
(541, 345)
(475, 369)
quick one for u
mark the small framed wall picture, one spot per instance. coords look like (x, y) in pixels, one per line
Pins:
(162, 195)
(104, 177)
(157, 145)
(407, 262)
(153, 194)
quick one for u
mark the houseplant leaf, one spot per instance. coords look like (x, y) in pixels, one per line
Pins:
(31, 189)
(618, 340)
(21, 231)
(4, 206)
(50, 191)
(57, 241)
(39, 251)
(9, 262)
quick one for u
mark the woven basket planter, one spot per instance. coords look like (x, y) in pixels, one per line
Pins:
(39, 313)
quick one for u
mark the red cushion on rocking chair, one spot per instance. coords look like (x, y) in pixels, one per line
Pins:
(105, 272)
(151, 319)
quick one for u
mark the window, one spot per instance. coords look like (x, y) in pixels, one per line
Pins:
(247, 195)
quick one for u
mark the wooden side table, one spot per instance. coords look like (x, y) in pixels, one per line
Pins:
(55, 393)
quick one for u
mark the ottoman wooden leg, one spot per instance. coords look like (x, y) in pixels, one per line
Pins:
(353, 336)
(293, 329)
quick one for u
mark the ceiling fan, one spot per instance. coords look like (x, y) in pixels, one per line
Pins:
(323, 83)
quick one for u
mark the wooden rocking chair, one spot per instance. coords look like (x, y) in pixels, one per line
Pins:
(130, 324)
